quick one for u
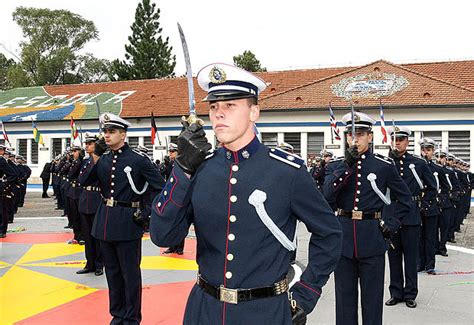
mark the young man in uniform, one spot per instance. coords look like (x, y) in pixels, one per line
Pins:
(123, 175)
(420, 180)
(357, 188)
(8, 177)
(244, 200)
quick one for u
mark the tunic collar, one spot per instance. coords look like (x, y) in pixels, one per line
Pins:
(244, 153)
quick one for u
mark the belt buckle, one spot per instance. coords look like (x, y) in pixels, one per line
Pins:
(357, 215)
(228, 295)
(110, 203)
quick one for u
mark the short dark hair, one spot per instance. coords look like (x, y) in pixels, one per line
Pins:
(252, 101)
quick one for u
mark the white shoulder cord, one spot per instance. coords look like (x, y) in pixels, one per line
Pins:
(128, 171)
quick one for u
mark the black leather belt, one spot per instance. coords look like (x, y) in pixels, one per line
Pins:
(115, 203)
(359, 215)
(234, 296)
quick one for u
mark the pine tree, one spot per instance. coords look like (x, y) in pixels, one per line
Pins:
(248, 61)
(147, 54)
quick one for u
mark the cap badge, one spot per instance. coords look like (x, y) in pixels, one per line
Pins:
(106, 117)
(356, 118)
(397, 129)
(217, 75)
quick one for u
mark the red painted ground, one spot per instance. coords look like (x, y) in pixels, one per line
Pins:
(37, 238)
(161, 304)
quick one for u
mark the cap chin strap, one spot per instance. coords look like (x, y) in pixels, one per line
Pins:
(128, 171)
(257, 198)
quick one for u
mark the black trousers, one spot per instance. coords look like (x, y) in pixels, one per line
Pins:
(404, 278)
(122, 269)
(178, 248)
(369, 273)
(92, 249)
(4, 215)
(443, 224)
(75, 218)
(428, 243)
(45, 186)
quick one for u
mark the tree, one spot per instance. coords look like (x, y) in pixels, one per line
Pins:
(5, 65)
(249, 62)
(53, 39)
(148, 55)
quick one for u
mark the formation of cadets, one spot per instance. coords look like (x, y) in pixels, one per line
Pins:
(356, 207)
(14, 174)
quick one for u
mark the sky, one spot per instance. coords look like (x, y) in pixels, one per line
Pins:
(283, 35)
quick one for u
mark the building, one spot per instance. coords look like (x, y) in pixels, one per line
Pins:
(435, 99)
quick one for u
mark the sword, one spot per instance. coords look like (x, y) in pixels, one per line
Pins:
(98, 113)
(394, 141)
(353, 123)
(189, 76)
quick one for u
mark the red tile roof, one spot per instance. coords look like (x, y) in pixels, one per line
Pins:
(440, 83)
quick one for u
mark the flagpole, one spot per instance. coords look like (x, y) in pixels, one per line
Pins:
(330, 126)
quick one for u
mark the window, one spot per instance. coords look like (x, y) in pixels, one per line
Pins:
(133, 142)
(23, 147)
(147, 144)
(458, 144)
(34, 152)
(315, 143)
(411, 144)
(56, 147)
(295, 140)
(270, 139)
(435, 135)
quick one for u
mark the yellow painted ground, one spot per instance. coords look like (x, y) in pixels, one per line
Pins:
(39, 252)
(24, 293)
(167, 263)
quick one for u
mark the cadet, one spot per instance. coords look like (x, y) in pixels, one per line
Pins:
(456, 193)
(429, 223)
(123, 175)
(357, 186)
(421, 182)
(8, 177)
(244, 200)
(89, 202)
(319, 171)
(74, 192)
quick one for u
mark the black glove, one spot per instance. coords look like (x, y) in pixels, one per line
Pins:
(141, 220)
(298, 316)
(192, 147)
(394, 154)
(323, 163)
(351, 155)
(100, 147)
(386, 232)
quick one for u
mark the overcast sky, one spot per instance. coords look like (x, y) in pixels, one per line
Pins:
(282, 34)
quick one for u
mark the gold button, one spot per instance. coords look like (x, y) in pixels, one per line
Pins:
(113, 168)
(357, 199)
(233, 198)
(228, 275)
(356, 208)
(358, 183)
(233, 218)
(113, 176)
(235, 168)
(230, 257)
(358, 192)
(114, 161)
(359, 175)
(111, 191)
(112, 183)
(115, 156)
(171, 180)
(233, 180)
(159, 204)
(231, 237)
(165, 193)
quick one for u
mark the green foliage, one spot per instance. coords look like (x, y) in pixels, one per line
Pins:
(147, 55)
(49, 54)
(5, 65)
(249, 62)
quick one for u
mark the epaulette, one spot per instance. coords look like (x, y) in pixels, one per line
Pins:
(436, 164)
(286, 157)
(336, 159)
(138, 152)
(210, 154)
(419, 157)
(383, 158)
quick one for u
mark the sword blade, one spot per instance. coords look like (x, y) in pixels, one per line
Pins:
(189, 74)
(353, 124)
(394, 141)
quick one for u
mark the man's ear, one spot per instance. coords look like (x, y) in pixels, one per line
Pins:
(254, 112)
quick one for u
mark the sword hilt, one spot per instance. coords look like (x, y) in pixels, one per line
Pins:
(192, 119)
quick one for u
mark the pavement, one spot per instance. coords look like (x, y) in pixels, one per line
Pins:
(38, 283)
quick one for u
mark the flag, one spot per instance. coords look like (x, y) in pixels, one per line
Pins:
(37, 135)
(332, 121)
(74, 133)
(4, 132)
(154, 130)
(385, 138)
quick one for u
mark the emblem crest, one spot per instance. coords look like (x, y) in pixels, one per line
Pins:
(245, 154)
(106, 117)
(356, 118)
(397, 129)
(217, 75)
